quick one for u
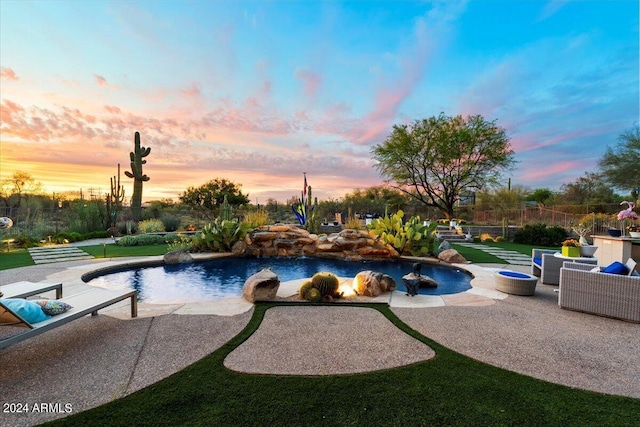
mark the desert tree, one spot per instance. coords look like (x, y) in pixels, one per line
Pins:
(433, 160)
(620, 166)
(208, 198)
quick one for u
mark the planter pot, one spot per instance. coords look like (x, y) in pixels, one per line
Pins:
(571, 251)
(614, 233)
(588, 250)
(635, 234)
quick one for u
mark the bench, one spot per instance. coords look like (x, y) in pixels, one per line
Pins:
(88, 302)
(27, 289)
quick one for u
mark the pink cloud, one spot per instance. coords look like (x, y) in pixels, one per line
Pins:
(536, 173)
(103, 82)
(112, 109)
(412, 60)
(193, 90)
(9, 74)
(311, 82)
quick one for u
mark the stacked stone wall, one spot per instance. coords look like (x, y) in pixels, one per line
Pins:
(289, 240)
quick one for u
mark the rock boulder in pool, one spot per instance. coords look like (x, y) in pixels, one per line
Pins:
(177, 257)
(262, 286)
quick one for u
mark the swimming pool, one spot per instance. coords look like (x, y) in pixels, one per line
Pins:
(225, 277)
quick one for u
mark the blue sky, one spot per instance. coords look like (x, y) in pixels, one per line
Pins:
(259, 92)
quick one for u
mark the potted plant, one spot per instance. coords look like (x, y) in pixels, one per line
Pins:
(571, 248)
(581, 230)
(634, 231)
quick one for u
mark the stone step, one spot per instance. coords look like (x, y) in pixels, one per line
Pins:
(52, 260)
(48, 255)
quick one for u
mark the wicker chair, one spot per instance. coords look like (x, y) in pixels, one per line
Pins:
(610, 295)
(546, 266)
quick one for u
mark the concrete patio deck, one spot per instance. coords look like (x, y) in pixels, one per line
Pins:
(94, 360)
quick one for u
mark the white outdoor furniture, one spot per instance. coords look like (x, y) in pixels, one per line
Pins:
(546, 264)
(604, 294)
(27, 289)
(88, 302)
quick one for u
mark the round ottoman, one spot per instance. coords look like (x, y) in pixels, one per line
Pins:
(513, 282)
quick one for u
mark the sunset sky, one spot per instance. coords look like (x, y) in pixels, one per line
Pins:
(260, 92)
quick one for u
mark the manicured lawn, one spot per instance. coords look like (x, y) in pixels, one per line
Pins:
(477, 256)
(15, 258)
(518, 247)
(450, 389)
(21, 258)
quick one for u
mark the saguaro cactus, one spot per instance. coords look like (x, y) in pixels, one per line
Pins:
(136, 173)
(114, 200)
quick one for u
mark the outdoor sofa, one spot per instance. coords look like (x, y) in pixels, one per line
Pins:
(597, 292)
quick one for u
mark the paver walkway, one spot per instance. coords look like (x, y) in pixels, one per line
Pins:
(512, 257)
(49, 254)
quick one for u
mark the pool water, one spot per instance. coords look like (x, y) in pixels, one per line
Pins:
(225, 277)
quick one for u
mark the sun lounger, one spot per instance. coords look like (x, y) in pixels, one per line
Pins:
(27, 289)
(84, 303)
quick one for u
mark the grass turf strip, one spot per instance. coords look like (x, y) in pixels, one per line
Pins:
(450, 389)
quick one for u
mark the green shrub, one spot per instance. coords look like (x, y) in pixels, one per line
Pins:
(180, 243)
(141, 240)
(22, 241)
(255, 219)
(151, 226)
(100, 234)
(127, 241)
(67, 237)
(170, 237)
(540, 235)
(220, 235)
(149, 239)
(170, 222)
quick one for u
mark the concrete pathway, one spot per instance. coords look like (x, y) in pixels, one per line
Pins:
(511, 257)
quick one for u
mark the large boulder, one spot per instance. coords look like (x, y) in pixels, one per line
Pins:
(452, 257)
(371, 284)
(239, 247)
(443, 247)
(262, 286)
(177, 257)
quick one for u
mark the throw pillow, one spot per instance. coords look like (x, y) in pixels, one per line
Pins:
(28, 310)
(616, 267)
(52, 306)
